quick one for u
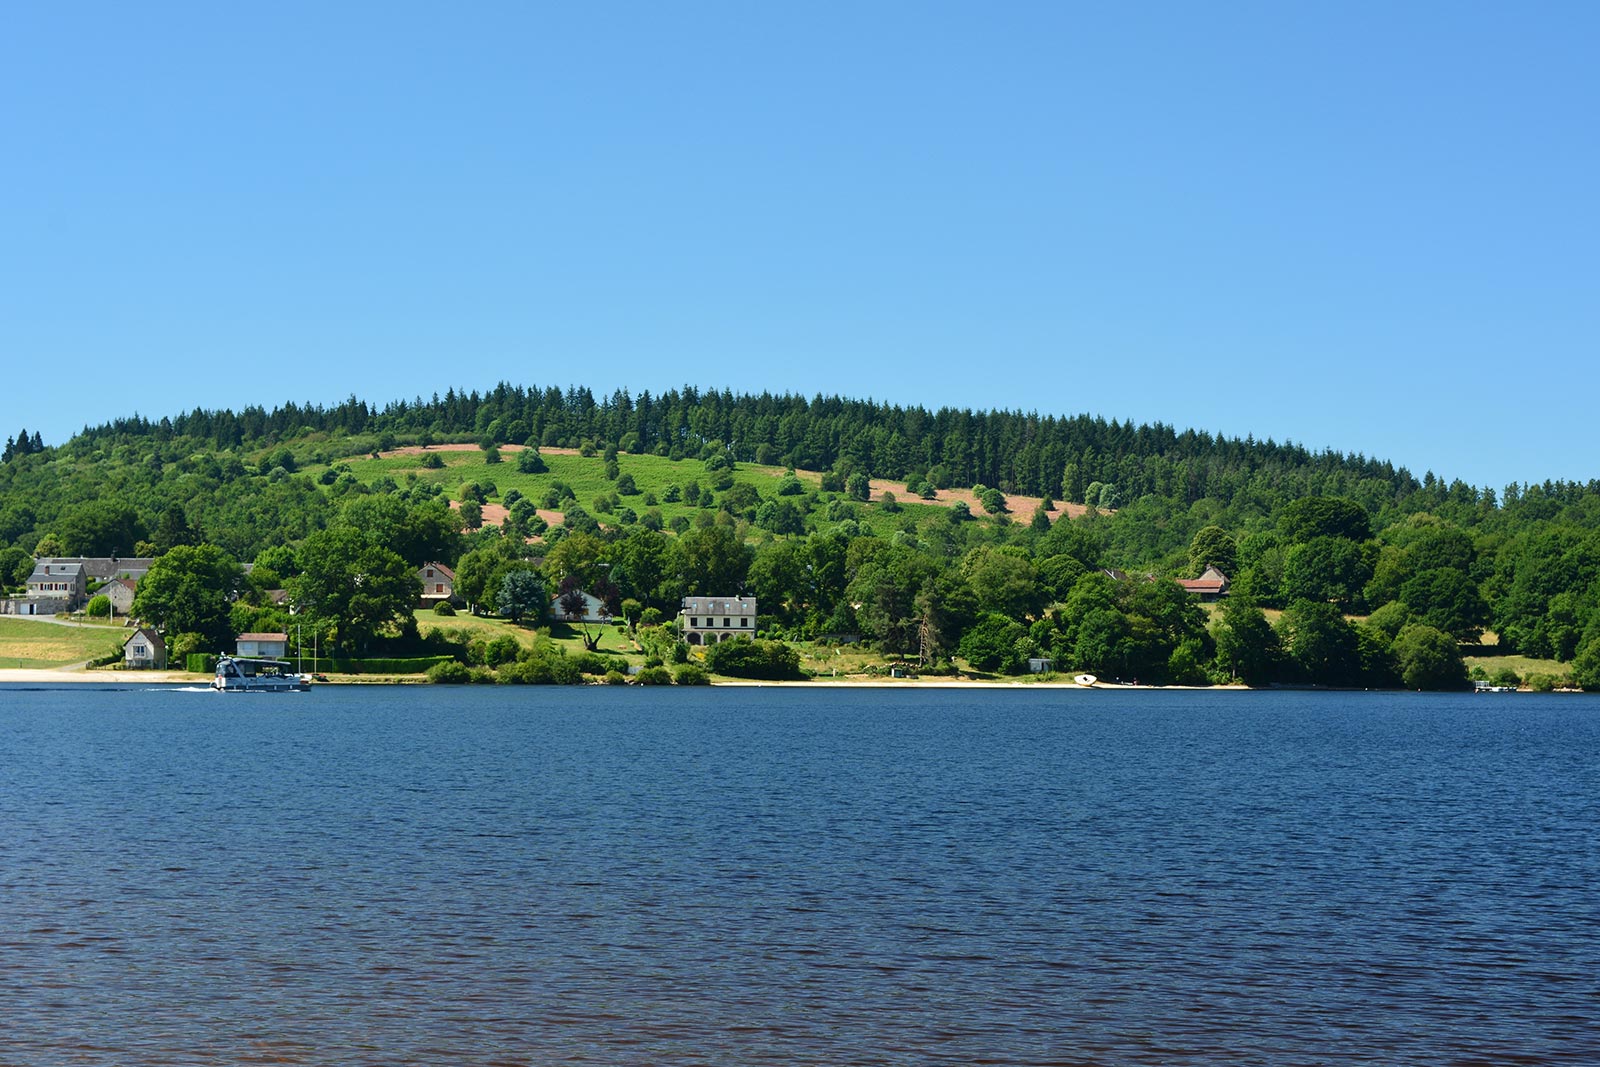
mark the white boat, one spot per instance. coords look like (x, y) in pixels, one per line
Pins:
(239, 674)
(1086, 679)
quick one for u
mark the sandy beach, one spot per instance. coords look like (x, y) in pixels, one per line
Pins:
(46, 676)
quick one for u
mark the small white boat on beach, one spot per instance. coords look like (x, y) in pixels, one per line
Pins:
(1085, 679)
(240, 674)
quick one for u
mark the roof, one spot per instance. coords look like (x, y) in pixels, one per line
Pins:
(55, 568)
(149, 634)
(1203, 585)
(103, 568)
(263, 637)
(719, 605)
(441, 568)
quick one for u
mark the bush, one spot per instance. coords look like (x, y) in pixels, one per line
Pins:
(99, 607)
(654, 676)
(691, 674)
(503, 649)
(615, 677)
(443, 608)
(743, 658)
(200, 663)
(1543, 683)
(433, 461)
(449, 673)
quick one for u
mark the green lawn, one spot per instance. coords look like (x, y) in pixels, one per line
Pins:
(29, 643)
(562, 634)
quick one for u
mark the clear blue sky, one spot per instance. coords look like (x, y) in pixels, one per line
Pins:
(1367, 226)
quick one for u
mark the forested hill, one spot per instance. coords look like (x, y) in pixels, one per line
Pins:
(1016, 452)
(971, 515)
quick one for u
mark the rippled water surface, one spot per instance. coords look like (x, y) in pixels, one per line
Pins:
(789, 876)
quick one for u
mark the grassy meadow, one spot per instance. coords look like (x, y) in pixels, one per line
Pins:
(652, 475)
(36, 644)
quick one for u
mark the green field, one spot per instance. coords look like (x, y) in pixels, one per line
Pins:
(37, 644)
(1523, 665)
(652, 475)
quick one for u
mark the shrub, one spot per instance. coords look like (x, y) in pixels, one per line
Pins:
(433, 461)
(1505, 676)
(443, 608)
(200, 663)
(654, 676)
(1543, 683)
(615, 677)
(503, 649)
(99, 607)
(691, 674)
(743, 658)
(449, 673)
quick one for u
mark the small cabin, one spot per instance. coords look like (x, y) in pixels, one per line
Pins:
(144, 650)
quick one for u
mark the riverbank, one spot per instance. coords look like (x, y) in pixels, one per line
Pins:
(59, 676)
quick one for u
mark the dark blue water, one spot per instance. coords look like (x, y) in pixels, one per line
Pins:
(784, 876)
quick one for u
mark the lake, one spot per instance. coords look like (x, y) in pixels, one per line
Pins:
(496, 875)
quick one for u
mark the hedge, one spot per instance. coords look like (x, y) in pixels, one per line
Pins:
(200, 663)
(412, 665)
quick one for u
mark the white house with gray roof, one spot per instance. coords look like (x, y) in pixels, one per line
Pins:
(710, 620)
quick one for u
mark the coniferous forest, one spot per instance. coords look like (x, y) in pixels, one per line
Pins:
(989, 537)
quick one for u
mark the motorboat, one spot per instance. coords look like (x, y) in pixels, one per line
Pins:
(241, 674)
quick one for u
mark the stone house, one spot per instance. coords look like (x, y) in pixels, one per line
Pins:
(709, 620)
(438, 584)
(59, 580)
(120, 592)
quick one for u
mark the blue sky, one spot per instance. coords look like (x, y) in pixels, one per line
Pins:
(1366, 226)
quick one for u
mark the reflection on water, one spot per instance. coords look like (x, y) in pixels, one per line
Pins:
(426, 876)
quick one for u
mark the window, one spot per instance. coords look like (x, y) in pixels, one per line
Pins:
(694, 621)
(726, 623)
(745, 622)
(438, 587)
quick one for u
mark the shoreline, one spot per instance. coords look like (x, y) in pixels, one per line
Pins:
(59, 676)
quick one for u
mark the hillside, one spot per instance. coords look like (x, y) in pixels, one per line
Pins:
(845, 514)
